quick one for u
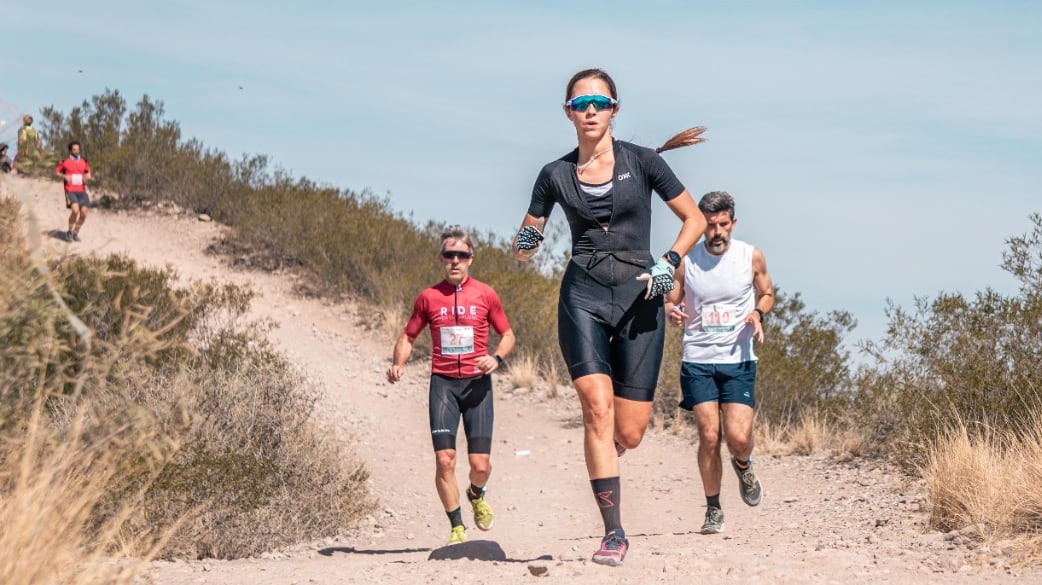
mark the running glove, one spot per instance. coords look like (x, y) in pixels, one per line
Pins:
(528, 238)
(660, 279)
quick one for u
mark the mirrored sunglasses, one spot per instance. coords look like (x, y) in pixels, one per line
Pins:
(599, 102)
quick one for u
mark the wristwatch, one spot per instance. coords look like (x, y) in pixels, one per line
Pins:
(673, 258)
(762, 314)
(499, 360)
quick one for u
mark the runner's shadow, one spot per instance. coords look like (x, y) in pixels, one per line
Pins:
(58, 235)
(474, 550)
(478, 550)
(329, 551)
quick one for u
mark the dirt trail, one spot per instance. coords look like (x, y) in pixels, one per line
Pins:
(820, 522)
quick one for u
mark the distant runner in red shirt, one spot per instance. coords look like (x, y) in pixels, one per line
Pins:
(75, 172)
(459, 311)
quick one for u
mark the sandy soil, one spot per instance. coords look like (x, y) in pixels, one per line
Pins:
(822, 521)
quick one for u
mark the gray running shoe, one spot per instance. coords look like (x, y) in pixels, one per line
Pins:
(714, 523)
(75, 236)
(69, 237)
(748, 485)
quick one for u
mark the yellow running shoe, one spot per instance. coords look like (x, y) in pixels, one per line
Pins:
(483, 517)
(458, 535)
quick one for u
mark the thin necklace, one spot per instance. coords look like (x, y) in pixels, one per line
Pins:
(580, 168)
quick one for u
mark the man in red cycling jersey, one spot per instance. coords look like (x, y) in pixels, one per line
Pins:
(459, 310)
(75, 172)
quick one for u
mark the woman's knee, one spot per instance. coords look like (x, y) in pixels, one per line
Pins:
(630, 436)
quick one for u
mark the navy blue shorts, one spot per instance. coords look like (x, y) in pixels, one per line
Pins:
(717, 383)
(80, 198)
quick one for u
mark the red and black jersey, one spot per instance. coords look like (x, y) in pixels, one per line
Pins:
(74, 169)
(459, 317)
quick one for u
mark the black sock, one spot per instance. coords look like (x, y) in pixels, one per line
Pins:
(743, 464)
(713, 501)
(474, 492)
(606, 492)
(456, 517)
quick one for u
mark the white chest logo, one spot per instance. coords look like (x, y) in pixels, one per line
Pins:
(622, 177)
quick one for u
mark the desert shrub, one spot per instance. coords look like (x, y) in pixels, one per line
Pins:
(210, 431)
(956, 358)
(61, 457)
(267, 474)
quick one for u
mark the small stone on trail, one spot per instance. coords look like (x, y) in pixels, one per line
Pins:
(538, 570)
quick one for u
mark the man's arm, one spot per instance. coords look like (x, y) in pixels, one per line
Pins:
(488, 363)
(402, 350)
(764, 292)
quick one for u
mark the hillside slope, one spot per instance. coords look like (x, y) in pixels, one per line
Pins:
(821, 522)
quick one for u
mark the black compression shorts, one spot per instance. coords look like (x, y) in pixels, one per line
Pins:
(470, 397)
(611, 329)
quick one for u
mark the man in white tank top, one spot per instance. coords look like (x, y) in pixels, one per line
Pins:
(721, 295)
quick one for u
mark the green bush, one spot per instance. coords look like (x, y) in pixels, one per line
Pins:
(236, 464)
(958, 360)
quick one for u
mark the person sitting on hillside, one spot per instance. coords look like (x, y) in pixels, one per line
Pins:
(5, 162)
(29, 147)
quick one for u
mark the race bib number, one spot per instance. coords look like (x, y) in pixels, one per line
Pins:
(76, 179)
(719, 318)
(457, 340)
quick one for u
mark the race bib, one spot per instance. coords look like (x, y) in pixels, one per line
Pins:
(76, 179)
(719, 318)
(457, 340)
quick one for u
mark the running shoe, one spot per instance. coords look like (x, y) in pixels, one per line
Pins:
(69, 237)
(458, 535)
(714, 523)
(483, 517)
(613, 548)
(619, 449)
(76, 236)
(748, 485)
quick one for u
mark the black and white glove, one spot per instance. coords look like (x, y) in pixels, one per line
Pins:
(660, 279)
(528, 238)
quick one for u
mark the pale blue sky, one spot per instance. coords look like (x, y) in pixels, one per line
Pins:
(879, 151)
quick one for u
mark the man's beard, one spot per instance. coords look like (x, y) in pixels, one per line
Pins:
(718, 244)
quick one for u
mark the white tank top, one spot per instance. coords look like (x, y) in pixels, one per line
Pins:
(719, 295)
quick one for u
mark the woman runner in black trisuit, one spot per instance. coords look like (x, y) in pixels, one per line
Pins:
(610, 321)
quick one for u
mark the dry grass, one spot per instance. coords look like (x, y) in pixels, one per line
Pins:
(814, 433)
(810, 435)
(54, 484)
(771, 439)
(985, 485)
(523, 372)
